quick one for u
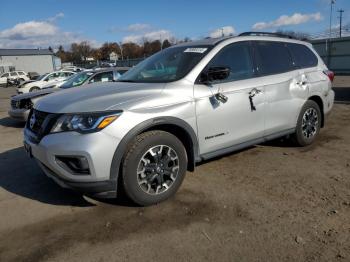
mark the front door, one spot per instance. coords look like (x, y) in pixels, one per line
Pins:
(240, 119)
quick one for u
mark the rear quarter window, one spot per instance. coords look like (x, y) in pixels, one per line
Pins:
(302, 55)
(272, 58)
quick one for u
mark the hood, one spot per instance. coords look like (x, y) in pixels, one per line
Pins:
(31, 84)
(98, 97)
(25, 82)
(35, 94)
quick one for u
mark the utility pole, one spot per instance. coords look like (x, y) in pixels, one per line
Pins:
(330, 19)
(340, 11)
(328, 43)
(161, 42)
(121, 49)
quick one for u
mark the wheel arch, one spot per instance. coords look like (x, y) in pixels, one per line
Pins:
(318, 100)
(34, 88)
(178, 127)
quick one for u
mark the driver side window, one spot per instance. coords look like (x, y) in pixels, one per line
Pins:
(51, 77)
(237, 57)
(102, 77)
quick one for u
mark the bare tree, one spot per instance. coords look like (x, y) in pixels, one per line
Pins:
(294, 34)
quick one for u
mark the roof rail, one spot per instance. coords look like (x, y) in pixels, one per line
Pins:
(266, 34)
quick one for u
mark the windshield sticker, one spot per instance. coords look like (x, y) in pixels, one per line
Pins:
(195, 50)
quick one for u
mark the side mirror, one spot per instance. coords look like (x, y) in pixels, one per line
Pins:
(214, 74)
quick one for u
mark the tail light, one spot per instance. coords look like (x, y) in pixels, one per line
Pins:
(330, 74)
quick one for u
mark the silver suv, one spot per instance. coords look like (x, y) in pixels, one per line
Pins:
(185, 104)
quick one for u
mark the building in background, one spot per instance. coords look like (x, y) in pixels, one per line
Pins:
(29, 60)
(335, 52)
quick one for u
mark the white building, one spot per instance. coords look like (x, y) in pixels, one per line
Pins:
(29, 60)
(113, 56)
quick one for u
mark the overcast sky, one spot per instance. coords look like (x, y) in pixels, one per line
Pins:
(54, 22)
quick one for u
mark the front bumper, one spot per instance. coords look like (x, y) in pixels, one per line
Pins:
(98, 148)
(19, 114)
(103, 189)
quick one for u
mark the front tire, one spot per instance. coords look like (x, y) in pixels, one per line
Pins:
(154, 167)
(309, 124)
(34, 88)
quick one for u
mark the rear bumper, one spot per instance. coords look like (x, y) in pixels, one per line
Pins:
(19, 114)
(329, 102)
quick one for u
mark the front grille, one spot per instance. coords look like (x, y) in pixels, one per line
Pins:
(14, 104)
(22, 104)
(40, 123)
(36, 121)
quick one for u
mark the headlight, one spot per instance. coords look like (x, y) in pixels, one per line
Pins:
(85, 122)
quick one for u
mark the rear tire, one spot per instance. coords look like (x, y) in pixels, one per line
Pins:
(308, 125)
(154, 167)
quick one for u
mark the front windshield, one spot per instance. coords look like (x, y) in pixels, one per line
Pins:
(168, 65)
(41, 77)
(77, 80)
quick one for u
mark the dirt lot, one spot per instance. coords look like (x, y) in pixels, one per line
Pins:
(272, 202)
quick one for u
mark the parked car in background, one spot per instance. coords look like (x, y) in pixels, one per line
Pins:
(89, 77)
(43, 80)
(73, 68)
(15, 76)
(3, 81)
(33, 75)
(188, 103)
(21, 104)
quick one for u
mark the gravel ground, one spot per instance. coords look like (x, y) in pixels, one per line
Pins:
(271, 202)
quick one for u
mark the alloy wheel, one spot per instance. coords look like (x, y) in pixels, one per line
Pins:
(310, 123)
(158, 169)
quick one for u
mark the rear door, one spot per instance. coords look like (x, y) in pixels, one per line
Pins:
(279, 76)
(311, 77)
(222, 125)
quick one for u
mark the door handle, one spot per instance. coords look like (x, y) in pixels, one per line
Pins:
(254, 92)
(303, 80)
(302, 83)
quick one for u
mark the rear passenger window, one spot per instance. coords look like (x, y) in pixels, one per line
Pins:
(302, 55)
(272, 58)
(237, 57)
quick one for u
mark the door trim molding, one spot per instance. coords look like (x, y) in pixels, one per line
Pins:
(246, 144)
